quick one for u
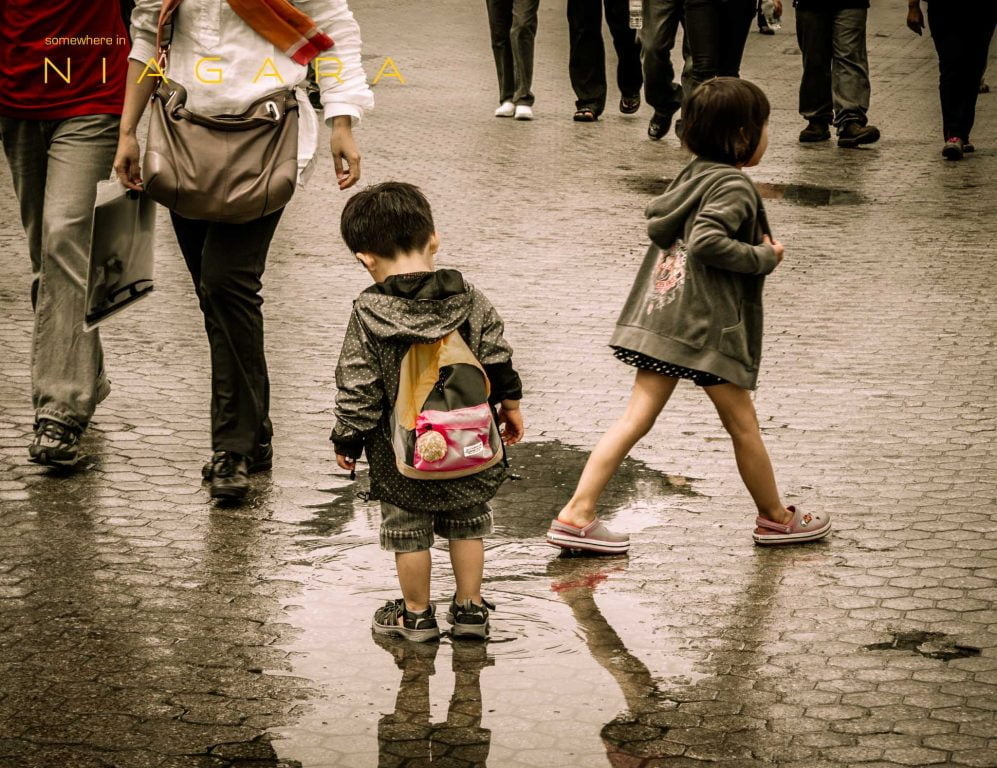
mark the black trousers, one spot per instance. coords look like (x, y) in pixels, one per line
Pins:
(961, 33)
(718, 31)
(513, 26)
(587, 58)
(661, 22)
(226, 262)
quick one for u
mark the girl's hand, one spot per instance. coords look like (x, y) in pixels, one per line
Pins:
(126, 162)
(511, 425)
(776, 246)
(344, 149)
(915, 18)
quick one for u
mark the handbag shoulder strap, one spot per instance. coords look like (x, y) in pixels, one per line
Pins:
(164, 32)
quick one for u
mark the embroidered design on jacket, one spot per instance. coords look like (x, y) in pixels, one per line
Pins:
(668, 276)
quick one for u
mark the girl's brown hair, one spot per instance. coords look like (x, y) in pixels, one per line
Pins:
(723, 120)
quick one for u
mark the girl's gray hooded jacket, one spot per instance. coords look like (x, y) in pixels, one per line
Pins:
(387, 319)
(697, 300)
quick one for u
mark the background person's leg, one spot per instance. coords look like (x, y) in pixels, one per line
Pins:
(587, 57)
(522, 37)
(813, 34)
(735, 25)
(978, 37)
(499, 24)
(702, 28)
(850, 86)
(66, 360)
(629, 76)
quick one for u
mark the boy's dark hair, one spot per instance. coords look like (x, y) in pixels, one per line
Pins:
(723, 120)
(387, 219)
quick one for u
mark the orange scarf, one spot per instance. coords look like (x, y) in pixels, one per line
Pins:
(278, 21)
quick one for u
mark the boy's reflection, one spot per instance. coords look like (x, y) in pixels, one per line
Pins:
(406, 738)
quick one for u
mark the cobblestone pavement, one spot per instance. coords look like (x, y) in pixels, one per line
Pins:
(140, 626)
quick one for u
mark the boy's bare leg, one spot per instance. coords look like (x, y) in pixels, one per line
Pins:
(468, 559)
(737, 413)
(650, 393)
(414, 569)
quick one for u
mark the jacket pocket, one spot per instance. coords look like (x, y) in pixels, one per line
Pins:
(740, 341)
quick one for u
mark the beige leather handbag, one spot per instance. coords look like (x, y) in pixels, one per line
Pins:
(231, 168)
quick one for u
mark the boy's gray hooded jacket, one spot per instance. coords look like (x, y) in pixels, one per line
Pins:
(697, 300)
(387, 319)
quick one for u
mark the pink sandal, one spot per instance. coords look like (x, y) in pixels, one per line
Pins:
(805, 526)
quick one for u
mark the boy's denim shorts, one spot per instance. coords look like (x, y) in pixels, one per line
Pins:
(404, 531)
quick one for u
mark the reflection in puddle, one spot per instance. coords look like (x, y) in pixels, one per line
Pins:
(551, 645)
(799, 194)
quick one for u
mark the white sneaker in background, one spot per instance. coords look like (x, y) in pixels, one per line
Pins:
(508, 109)
(524, 112)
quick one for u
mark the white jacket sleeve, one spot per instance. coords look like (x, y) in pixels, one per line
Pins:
(145, 22)
(344, 87)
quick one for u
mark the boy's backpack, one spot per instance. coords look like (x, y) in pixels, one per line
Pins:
(442, 426)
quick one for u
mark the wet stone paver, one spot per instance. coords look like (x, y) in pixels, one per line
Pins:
(140, 626)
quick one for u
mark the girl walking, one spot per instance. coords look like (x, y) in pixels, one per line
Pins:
(695, 313)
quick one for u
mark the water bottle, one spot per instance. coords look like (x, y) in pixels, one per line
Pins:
(636, 14)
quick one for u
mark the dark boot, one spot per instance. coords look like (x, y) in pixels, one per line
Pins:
(814, 132)
(852, 134)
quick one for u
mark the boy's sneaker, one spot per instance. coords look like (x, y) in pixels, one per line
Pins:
(506, 109)
(814, 132)
(55, 444)
(469, 619)
(852, 134)
(594, 537)
(260, 462)
(229, 476)
(524, 112)
(417, 627)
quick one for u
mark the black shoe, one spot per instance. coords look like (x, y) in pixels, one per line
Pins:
(967, 147)
(55, 444)
(659, 126)
(419, 627)
(229, 476)
(469, 619)
(629, 104)
(260, 462)
(814, 132)
(953, 149)
(852, 134)
(765, 29)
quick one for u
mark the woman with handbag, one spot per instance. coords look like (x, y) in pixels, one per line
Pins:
(228, 139)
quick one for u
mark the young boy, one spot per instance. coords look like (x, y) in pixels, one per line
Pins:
(389, 228)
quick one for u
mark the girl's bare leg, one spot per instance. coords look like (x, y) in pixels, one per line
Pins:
(650, 393)
(737, 413)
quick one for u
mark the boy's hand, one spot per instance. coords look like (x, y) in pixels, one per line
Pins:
(778, 247)
(346, 463)
(511, 424)
(915, 18)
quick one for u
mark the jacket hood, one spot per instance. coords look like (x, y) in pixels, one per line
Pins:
(417, 308)
(666, 214)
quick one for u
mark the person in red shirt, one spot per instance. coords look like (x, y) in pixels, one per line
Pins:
(62, 79)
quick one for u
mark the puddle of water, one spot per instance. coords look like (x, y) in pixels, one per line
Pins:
(931, 645)
(558, 633)
(798, 194)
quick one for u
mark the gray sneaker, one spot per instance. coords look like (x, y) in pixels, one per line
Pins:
(469, 619)
(594, 537)
(419, 627)
(55, 444)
